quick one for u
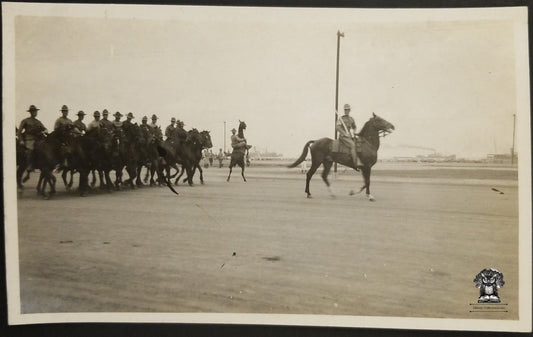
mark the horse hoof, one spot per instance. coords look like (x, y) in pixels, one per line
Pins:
(370, 198)
(351, 192)
(309, 196)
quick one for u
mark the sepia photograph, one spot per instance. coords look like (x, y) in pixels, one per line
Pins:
(334, 167)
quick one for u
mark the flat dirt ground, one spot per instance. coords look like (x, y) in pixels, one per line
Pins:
(263, 247)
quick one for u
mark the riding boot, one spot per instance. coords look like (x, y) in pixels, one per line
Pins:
(355, 159)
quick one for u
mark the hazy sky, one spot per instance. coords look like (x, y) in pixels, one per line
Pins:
(447, 85)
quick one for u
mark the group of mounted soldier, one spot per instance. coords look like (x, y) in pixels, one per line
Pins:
(106, 145)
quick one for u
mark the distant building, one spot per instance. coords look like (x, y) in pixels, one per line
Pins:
(502, 158)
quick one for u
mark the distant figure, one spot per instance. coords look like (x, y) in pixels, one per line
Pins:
(63, 120)
(220, 157)
(211, 157)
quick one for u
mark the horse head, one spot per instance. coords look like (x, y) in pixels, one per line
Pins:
(383, 126)
(194, 137)
(206, 139)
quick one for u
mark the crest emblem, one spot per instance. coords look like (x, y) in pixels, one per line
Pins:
(489, 281)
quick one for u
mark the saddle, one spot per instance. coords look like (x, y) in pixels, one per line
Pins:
(338, 147)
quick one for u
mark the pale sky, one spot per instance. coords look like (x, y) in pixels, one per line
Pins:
(447, 85)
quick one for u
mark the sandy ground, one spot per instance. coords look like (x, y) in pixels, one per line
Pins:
(262, 247)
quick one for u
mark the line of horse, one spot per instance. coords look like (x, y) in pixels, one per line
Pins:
(102, 150)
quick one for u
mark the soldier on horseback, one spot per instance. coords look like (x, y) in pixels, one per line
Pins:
(154, 122)
(170, 128)
(63, 120)
(346, 128)
(96, 122)
(127, 123)
(117, 123)
(29, 131)
(79, 126)
(237, 142)
(106, 123)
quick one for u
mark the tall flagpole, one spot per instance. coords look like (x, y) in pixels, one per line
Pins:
(339, 35)
(512, 149)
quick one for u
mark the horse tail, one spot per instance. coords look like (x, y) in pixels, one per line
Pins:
(304, 154)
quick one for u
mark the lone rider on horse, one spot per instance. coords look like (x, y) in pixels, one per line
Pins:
(346, 128)
(238, 143)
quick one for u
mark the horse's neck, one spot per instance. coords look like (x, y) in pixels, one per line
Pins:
(370, 134)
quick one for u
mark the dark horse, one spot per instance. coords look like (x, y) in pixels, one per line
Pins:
(237, 156)
(321, 153)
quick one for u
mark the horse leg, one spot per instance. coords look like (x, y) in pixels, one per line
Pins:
(93, 180)
(83, 185)
(138, 181)
(309, 175)
(26, 177)
(242, 165)
(327, 167)
(108, 182)
(366, 175)
(39, 186)
(71, 181)
(191, 175)
(231, 164)
(20, 172)
(201, 174)
(64, 177)
(52, 183)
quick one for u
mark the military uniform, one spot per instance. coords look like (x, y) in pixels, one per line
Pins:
(169, 130)
(80, 126)
(62, 121)
(106, 124)
(344, 124)
(30, 130)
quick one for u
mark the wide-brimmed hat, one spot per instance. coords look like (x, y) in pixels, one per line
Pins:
(96, 113)
(130, 115)
(64, 108)
(173, 119)
(347, 107)
(32, 108)
(233, 130)
(145, 118)
(105, 112)
(118, 114)
(81, 113)
(154, 117)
